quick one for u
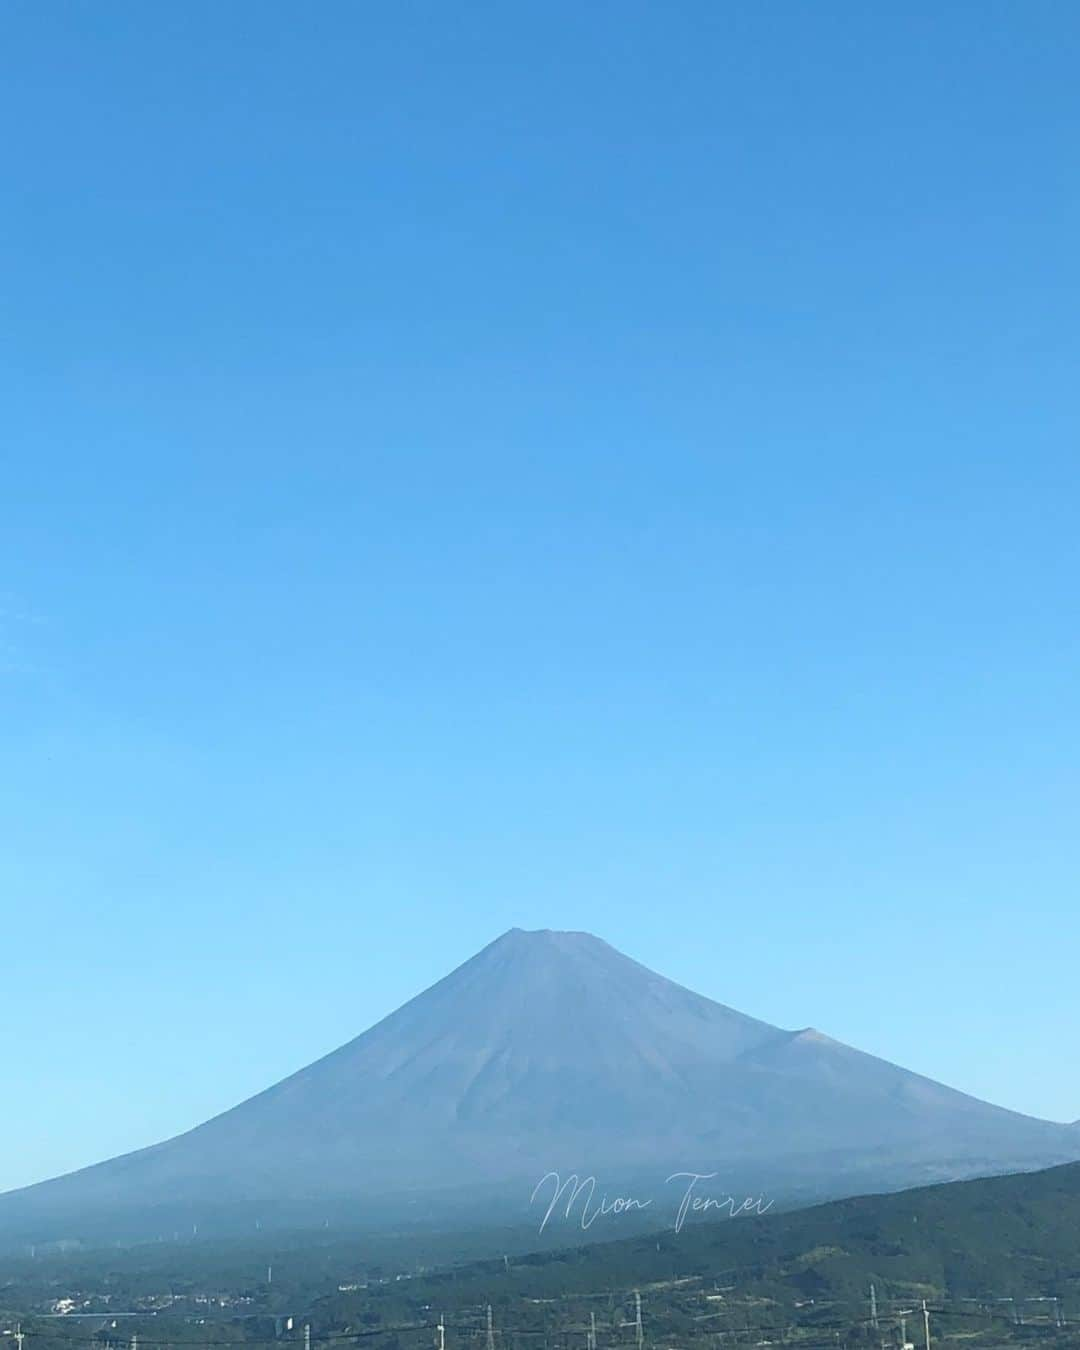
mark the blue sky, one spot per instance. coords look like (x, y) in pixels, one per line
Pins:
(602, 466)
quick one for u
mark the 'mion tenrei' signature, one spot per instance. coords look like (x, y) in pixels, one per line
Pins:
(593, 1209)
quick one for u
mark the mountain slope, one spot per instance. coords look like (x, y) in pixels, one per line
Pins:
(552, 1050)
(970, 1248)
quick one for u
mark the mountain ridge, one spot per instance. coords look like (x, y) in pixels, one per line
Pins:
(552, 1049)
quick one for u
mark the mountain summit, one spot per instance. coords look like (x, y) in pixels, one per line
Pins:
(552, 1050)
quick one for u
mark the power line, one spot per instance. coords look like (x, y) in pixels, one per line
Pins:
(824, 1324)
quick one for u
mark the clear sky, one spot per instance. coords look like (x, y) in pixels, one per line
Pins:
(606, 466)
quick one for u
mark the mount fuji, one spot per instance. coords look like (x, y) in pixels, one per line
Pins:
(548, 1050)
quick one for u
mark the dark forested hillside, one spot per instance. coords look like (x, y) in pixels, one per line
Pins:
(997, 1261)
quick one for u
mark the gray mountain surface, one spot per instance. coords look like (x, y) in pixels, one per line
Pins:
(551, 1050)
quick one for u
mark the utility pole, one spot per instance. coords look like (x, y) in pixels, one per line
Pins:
(592, 1331)
(307, 1336)
(269, 1274)
(441, 1334)
(926, 1322)
(490, 1330)
(873, 1308)
(639, 1332)
(19, 1337)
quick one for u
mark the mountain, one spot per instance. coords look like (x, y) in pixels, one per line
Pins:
(548, 1050)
